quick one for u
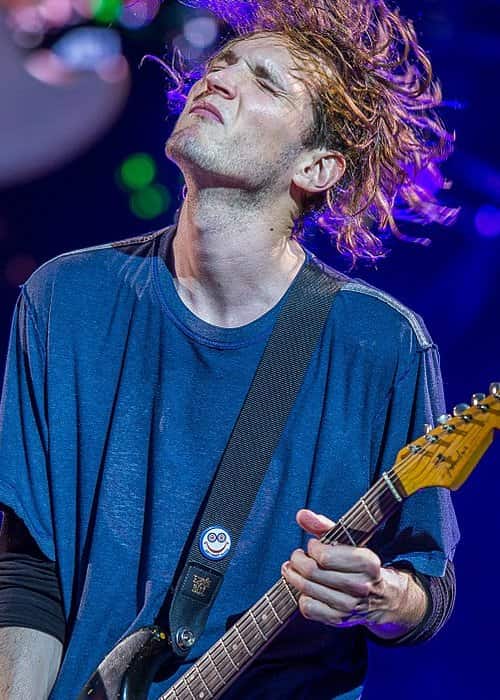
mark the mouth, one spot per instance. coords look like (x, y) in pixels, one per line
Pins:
(207, 111)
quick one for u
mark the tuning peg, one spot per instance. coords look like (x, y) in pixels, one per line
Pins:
(477, 398)
(460, 410)
(443, 419)
(428, 429)
(495, 389)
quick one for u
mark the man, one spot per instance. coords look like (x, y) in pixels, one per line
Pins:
(128, 365)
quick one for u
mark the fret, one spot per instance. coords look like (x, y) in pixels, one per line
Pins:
(188, 687)
(391, 486)
(258, 626)
(346, 531)
(273, 610)
(242, 640)
(289, 590)
(238, 643)
(282, 606)
(267, 621)
(370, 514)
(214, 665)
(247, 631)
(201, 694)
(229, 655)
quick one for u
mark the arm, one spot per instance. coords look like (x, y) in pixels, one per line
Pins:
(31, 615)
(29, 663)
(401, 586)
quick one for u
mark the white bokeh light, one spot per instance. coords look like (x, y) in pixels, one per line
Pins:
(85, 48)
(201, 32)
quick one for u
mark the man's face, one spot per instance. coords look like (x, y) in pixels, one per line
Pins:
(265, 112)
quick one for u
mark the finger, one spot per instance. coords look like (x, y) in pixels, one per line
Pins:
(313, 609)
(346, 558)
(313, 523)
(339, 600)
(355, 584)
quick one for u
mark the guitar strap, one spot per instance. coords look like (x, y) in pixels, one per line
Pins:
(255, 435)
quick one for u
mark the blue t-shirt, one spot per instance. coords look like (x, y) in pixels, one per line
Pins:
(117, 405)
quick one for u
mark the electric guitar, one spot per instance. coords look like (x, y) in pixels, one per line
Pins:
(444, 456)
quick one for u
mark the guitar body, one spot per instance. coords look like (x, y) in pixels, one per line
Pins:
(127, 672)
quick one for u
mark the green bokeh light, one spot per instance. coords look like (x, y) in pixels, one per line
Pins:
(150, 202)
(138, 171)
(106, 11)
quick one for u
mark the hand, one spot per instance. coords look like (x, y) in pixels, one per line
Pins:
(342, 585)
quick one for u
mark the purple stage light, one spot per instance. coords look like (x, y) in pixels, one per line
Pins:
(487, 221)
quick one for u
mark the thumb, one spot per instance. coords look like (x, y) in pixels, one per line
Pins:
(313, 523)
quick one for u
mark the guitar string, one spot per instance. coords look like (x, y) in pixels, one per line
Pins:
(191, 678)
(230, 636)
(377, 490)
(207, 662)
(212, 662)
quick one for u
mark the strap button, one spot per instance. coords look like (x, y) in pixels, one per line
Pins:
(184, 638)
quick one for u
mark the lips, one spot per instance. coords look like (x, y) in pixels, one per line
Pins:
(207, 107)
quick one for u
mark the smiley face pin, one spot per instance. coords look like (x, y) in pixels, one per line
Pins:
(215, 542)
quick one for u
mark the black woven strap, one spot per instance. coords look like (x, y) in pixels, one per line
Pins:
(252, 443)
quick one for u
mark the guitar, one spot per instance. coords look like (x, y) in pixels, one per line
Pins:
(445, 456)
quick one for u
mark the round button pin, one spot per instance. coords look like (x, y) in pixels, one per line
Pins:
(215, 542)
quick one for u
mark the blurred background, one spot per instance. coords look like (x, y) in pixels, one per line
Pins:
(82, 131)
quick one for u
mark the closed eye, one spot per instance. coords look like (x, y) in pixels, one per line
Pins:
(265, 78)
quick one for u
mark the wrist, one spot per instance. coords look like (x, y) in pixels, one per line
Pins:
(403, 606)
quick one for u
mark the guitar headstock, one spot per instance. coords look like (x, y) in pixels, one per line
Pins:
(447, 454)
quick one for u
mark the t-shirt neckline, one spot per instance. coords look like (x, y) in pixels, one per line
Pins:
(196, 328)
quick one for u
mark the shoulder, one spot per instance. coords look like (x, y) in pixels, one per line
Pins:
(77, 271)
(365, 311)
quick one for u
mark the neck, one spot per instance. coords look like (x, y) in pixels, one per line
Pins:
(232, 258)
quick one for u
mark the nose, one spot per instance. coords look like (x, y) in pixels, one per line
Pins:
(222, 81)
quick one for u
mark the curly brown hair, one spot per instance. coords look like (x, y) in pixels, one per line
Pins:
(374, 100)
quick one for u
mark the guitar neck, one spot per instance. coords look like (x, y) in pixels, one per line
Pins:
(212, 674)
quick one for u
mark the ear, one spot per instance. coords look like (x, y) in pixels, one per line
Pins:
(319, 171)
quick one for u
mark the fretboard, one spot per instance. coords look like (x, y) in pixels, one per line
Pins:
(212, 674)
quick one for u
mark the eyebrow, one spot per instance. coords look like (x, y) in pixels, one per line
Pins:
(268, 71)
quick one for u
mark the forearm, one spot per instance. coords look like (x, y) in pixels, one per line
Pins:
(29, 663)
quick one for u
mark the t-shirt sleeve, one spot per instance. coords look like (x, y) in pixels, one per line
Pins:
(23, 428)
(424, 530)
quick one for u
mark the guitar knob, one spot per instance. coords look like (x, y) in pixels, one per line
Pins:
(427, 428)
(495, 389)
(460, 408)
(477, 398)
